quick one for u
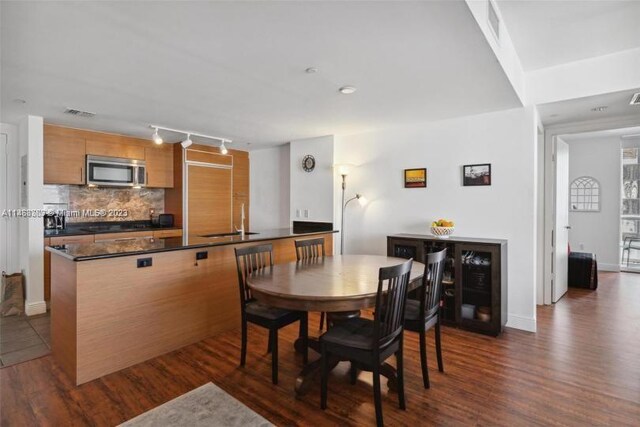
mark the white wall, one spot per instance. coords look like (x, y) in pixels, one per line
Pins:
(506, 209)
(312, 191)
(12, 177)
(30, 132)
(597, 232)
(269, 188)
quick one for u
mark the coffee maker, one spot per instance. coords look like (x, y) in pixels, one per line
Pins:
(54, 218)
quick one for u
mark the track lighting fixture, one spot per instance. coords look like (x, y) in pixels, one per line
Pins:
(156, 137)
(187, 142)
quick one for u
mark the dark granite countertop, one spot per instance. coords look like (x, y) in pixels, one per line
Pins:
(78, 229)
(142, 246)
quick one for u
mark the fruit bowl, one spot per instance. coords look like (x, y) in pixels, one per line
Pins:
(442, 232)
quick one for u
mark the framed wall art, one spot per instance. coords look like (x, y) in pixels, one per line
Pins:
(476, 174)
(415, 178)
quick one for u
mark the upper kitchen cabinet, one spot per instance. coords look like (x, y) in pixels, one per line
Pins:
(65, 151)
(107, 148)
(159, 161)
(64, 157)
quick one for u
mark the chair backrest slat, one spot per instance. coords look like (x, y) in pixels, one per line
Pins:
(250, 261)
(393, 285)
(309, 249)
(431, 289)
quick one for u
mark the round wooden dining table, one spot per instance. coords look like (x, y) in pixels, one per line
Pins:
(340, 285)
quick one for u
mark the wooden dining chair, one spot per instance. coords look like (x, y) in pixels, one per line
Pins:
(311, 249)
(424, 313)
(368, 343)
(254, 260)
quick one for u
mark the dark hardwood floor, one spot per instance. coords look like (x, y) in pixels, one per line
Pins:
(582, 367)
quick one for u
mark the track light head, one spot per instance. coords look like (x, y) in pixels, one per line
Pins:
(187, 142)
(223, 149)
(156, 137)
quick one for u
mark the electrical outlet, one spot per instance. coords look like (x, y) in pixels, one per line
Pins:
(581, 246)
(297, 213)
(306, 213)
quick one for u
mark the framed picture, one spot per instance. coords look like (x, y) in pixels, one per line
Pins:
(415, 178)
(476, 174)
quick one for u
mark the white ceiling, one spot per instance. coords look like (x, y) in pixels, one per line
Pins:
(579, 110)
(548, 33)
(236, 69)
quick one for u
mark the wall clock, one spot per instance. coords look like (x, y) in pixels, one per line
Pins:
(308, 163)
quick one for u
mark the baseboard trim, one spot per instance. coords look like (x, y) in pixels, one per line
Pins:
(609, 267)
(523, 323)
(35, 307)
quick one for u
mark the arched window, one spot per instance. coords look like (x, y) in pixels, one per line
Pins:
(584, 195)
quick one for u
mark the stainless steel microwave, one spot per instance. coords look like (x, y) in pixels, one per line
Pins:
(116, 172)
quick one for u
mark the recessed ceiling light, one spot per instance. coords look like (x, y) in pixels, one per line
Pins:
(311, 70)
(347, 90)
(554, 115)
(19, 101)
(599, 109)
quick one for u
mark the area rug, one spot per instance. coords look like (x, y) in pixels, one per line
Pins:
(208, 405)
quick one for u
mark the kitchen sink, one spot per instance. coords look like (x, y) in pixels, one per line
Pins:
(235, 233)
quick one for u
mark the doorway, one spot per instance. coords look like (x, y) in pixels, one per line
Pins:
(4, 177)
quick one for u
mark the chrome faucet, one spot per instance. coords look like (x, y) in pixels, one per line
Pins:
(241, 229)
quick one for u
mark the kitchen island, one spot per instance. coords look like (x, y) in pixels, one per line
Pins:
(118, 303)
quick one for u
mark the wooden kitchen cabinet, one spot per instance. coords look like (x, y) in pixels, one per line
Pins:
(162, 234)
(63, 240)
(108, 148)
(124, 235)
(47, 270)
(159, 162)
(64, 159)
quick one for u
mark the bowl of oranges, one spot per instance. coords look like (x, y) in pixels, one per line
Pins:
(442, 228)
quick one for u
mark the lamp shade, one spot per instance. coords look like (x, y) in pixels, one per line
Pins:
(344, 168)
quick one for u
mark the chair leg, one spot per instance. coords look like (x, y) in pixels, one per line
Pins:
(274, 356)
(400, 373)
(270, 343)
(304, 334)
(353, 371)
(377, 397)
(439, 347)
(324, 376)
(423, 359)
(322, 321)
(243, 346)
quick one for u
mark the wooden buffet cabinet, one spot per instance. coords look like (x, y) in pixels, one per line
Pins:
(475, 278)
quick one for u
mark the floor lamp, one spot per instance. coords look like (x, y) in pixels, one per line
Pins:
(344, 171)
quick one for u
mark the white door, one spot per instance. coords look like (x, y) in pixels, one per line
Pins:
(3, 202)
(561, 229)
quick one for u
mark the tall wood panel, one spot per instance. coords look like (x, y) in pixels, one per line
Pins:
(209, 199)
(240, 165)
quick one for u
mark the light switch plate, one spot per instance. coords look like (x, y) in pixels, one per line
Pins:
(297, 213)
(306, 213)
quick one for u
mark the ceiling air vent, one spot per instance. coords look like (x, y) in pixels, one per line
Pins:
(635, 99)
(79, 113)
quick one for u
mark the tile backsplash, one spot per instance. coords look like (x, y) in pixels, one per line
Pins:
(135, 202)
